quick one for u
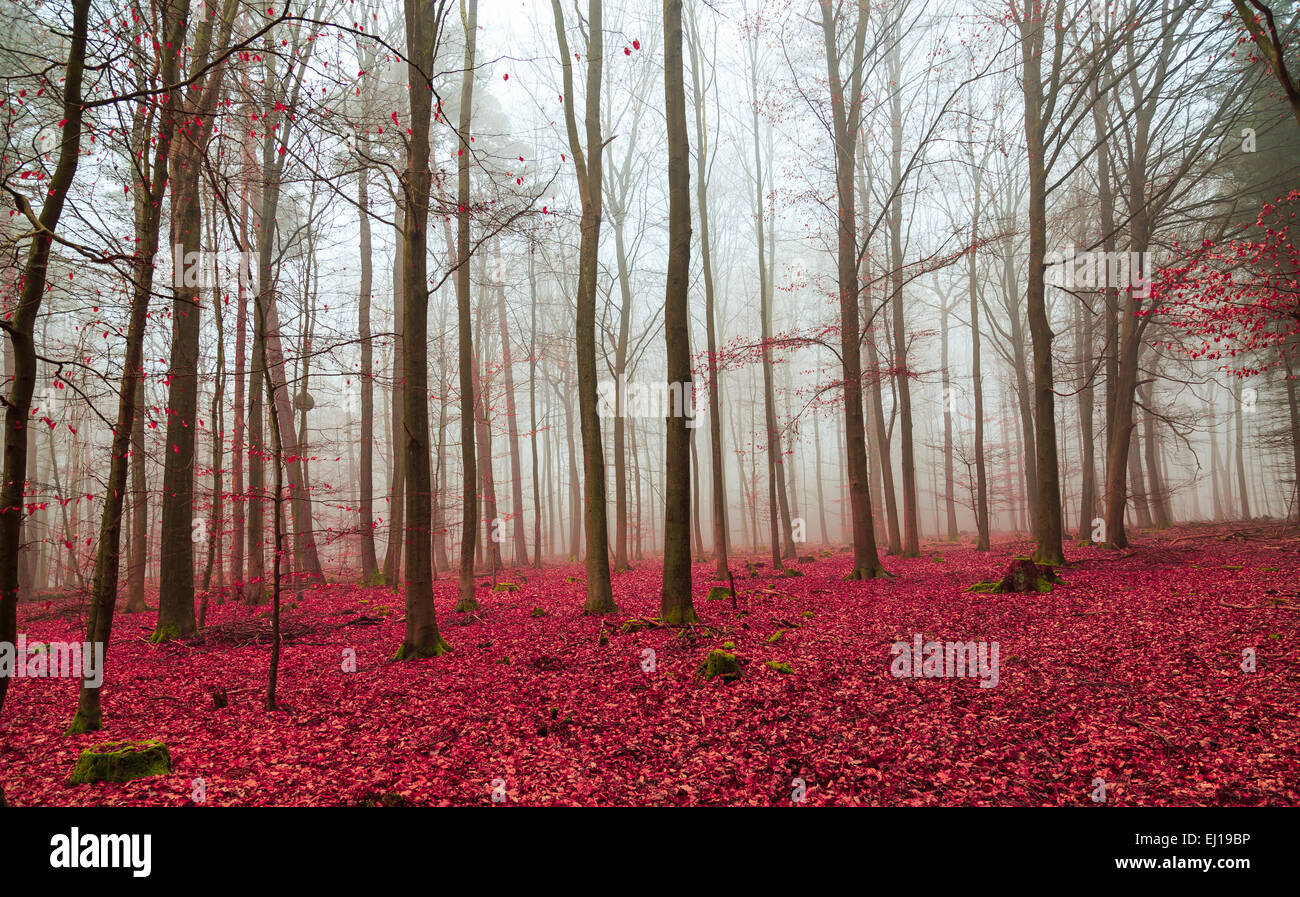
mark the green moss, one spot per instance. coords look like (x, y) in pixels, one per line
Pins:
(83, 723)
(632, 626)
(504, 661)
(730, 646)
(604, 638)
(719, 664)
(775, 637)
(121, 761)
(165, 633)
(792, 571)
(807, 559)
(466, 606)
(679, 615)
(537, 612)
(414, 652)
(779, 666)
(505, 587)
(807, 614)
(718, 593)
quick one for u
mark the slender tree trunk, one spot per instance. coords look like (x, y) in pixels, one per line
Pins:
(1084, 355)
(600, 598)
(1239, 450)
(99, 625)
(369, 559)
(466, 601)
(676, 606)
(424, 19)
(532, 410)
(1047, 518)
(846, 110)
(193, 118)
(718, 478)
(237, 448)
(397, 410)
(949, 490)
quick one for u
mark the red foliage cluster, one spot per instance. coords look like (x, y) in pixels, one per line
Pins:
(1239, 298)
(1131, 673)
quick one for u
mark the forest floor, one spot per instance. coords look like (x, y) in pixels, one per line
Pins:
(1131, 673)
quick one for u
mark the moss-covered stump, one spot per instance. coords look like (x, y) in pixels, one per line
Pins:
(718, 593)
(121, 761)
(1021, 575)
(506, 587)
(719, 664)
(779, 666)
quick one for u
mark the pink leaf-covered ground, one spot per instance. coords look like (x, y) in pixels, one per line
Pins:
(1131, 673)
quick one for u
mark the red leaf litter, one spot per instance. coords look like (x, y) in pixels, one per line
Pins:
(1131, 673)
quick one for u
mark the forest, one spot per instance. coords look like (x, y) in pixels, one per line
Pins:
(650, 402)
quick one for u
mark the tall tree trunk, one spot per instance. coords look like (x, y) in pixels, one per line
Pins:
(949, 490)
(532, 411)
(718, 479)
(600, 597)
(237, 449)
(512, 430)
(397, 466)
(676, 606)
(176, 582)
(902, 373)
(483, 437)
(1240, 456)
(847, 111)
(1293, 413)
(369, 559)
(620, 390)
(465, 601)
(424, 19)
(977, 383)
(88, 716)
(139, 509)
(1047, 519)
(1084, 355)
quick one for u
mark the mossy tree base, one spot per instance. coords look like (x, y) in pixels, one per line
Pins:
(718, 593)
(122, 761)
(599, 607)
(861, 573)
(466, 606)
(421, 652)
(83, 722)
(681, 615)
(166, 632)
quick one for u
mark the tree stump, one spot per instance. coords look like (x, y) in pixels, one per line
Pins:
(121, 761)
(719, 664)
(1022, 575)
